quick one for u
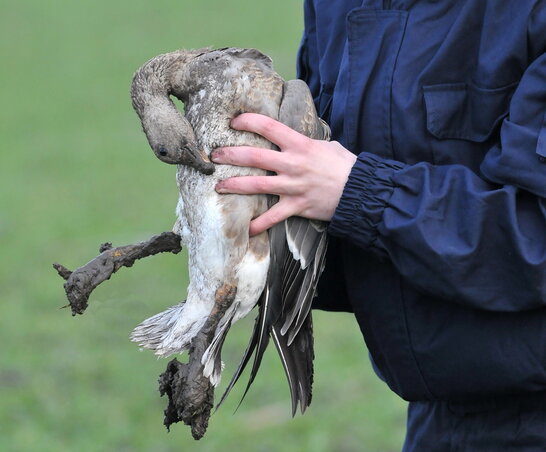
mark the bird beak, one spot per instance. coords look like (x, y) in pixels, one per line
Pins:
(196, 158)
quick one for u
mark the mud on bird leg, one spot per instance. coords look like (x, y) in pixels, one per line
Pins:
(82, 281)
(190, 393)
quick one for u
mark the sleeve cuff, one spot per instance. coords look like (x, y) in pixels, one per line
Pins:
(364, 198)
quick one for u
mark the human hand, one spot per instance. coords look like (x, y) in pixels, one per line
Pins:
(310, 174)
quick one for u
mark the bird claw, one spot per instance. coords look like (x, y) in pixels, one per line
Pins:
(190, 396)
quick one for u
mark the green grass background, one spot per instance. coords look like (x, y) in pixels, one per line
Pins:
(76, 171)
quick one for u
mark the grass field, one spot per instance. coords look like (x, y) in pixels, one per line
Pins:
(70, 145)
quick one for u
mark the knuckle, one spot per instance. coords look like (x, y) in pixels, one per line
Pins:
(262, 184)
(298, 166)
(245, 156)
(298, 188)
(237, 183)
(306, 142)
(303, 205)
(306, 146)
(274, 218)
(255, 158)
(267, 125)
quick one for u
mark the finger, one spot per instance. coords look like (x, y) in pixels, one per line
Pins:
(274, 131)
(252, 185)
(266, 159)
(278, 212)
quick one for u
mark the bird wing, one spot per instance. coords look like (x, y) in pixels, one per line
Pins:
(306, 239)
(237, 53)
(252, 54)
(298, 247)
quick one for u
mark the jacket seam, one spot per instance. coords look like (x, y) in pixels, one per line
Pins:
(403, 33)
(410, 342)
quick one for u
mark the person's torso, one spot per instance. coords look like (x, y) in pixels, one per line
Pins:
(426, 81)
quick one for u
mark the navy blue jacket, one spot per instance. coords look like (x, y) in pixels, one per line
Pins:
(439, 243)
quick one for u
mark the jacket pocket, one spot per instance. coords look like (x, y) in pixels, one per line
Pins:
(374, 42)
(465, 112)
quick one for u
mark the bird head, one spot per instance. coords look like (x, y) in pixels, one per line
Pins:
(169, 133)
(173, 140)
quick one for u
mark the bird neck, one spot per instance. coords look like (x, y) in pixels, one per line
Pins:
(159, 78)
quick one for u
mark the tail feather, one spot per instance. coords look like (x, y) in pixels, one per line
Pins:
(212, 360)
(297, 360)
(169, 331)
(296, 354)
(242, 365)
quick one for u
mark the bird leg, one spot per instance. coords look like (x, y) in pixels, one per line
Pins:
(82, 281)
(190, 393)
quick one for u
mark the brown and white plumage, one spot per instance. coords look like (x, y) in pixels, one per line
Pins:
(278, 269)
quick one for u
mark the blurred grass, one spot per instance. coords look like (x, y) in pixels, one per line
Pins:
(76, 171)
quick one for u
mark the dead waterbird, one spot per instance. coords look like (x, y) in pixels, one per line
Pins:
(230, 272)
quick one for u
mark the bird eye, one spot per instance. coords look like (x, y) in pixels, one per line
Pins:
(162, 151)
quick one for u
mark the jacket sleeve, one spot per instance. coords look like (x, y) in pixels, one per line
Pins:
(474, 239)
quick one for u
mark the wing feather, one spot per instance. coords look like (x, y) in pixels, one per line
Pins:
(297, 251)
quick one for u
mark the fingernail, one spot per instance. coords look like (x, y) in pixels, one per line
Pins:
(220, 187)
(252, 231)
(233, 122)
(216, 155)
